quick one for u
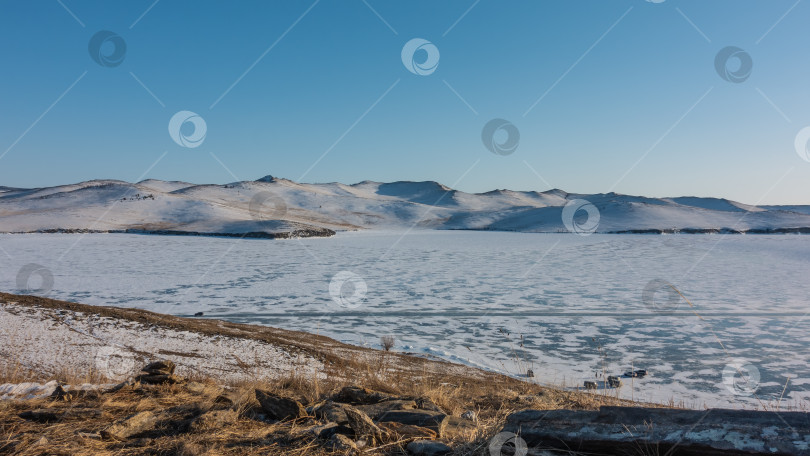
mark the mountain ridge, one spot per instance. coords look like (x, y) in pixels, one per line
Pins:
(276, 205)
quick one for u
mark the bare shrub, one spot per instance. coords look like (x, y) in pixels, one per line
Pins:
(387, 342)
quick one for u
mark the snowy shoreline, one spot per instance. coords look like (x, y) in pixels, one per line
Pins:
(302, 233)
(49, 338)
(328, 233)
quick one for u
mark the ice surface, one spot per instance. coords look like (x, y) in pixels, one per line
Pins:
(503, 301)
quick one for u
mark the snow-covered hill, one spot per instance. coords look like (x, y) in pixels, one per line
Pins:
(273, 205)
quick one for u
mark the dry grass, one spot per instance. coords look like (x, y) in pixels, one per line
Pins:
(81, 418)
(454, 388)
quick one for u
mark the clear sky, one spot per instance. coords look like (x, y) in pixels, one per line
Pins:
(607, 95)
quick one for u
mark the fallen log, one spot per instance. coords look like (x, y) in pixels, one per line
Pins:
(619, 430)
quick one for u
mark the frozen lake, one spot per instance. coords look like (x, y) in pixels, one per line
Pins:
(567, 307)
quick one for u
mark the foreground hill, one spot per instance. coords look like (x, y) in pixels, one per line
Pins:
(62, 361)
(89, 380)
(283, 207)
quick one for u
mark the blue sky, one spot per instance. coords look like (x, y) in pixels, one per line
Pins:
(619, 95)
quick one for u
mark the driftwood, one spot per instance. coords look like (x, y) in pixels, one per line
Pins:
(632, 430)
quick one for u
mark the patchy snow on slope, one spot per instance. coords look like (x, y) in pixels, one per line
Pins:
(117, 349)
(33, 390)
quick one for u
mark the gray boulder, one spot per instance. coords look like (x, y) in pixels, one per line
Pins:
(375, 411)
(363, 427)
(279, 407)
(332, 411)
(436, 422)
(428, 448)
(358, 396)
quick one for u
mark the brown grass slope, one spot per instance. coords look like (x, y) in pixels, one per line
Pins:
(70, 425)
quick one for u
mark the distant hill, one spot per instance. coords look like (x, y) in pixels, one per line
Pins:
(276, 205)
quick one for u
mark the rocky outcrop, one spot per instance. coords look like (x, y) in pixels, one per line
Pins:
(375, 411)
(359, 396)
(158, 373)
(363, 427)
(358, 421)
(436, 422)
(332, 412)
(279, 407)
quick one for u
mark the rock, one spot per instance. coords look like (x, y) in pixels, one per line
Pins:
(164, 367)
(428, 448)
(127, 427)
(159, 379)
(363, 427)
(322, 431)
(52, 415)
(227, 397)
(340, 442)
(422, 418)
(374, 411)
(426, 404)
(406, 431)
(278, 407)
(332, 411)
(470, 415)
(41, 415)
(623, 430)
(213, 420)
(355, 395)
